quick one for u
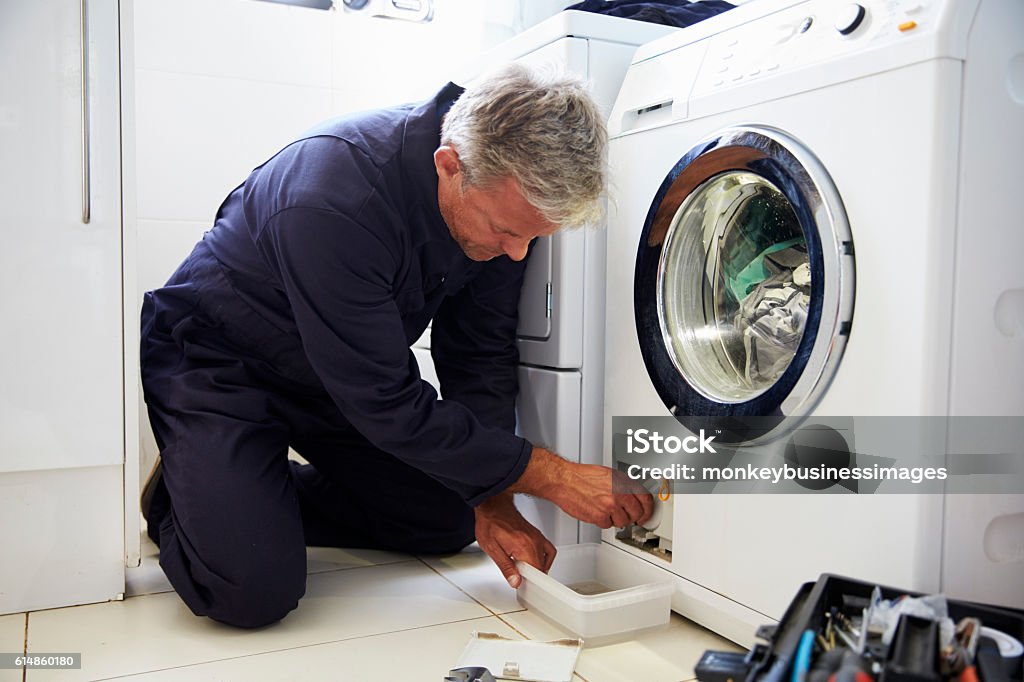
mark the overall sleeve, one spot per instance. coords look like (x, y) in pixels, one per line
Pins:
(338, 275)
(473, 343)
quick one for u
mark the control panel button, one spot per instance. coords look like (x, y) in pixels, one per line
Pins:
(850, 17)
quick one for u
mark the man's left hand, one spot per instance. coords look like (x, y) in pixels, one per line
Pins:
(507, 537)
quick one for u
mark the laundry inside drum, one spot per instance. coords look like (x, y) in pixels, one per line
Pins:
(734, 286)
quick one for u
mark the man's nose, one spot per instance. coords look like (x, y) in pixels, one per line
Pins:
(516, 249)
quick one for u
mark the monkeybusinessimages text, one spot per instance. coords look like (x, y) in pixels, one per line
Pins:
(644, 441)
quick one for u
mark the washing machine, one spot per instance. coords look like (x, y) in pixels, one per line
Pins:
(815, 216)
(561, 311)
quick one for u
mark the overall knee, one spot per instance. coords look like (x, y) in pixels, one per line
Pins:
(262, 596)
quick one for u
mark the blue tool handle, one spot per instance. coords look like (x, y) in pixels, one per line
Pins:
(803, 656)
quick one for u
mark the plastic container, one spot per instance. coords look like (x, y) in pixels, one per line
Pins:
(596, 592)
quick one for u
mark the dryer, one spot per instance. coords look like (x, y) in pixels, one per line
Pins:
(561, 312)
(856, 162)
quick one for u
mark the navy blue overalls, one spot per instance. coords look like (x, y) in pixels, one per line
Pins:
(290, 325)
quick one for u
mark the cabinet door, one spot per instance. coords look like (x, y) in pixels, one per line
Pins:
(548, 414)
(60, 269)
(61, 369)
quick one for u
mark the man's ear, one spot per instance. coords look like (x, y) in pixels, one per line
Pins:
(446, 161)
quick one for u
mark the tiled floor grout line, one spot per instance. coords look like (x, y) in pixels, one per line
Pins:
(514, 628)
(349, 568)
(292, 648)
(456, 586)
(24, 650)
(443, 577)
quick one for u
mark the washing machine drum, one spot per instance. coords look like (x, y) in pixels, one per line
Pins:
(744, 279)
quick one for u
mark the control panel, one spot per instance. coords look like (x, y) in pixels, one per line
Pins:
(809, 33)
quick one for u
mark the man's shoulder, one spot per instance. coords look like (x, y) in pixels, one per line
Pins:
(337, 165)
(376, 133)
(373, 168)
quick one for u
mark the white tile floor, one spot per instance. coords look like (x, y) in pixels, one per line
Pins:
(366, 616)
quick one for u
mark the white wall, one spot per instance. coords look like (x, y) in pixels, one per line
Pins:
(222, 84)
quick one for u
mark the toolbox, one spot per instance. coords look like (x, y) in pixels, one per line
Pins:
(829, 634)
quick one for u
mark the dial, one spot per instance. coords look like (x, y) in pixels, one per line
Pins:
(850, 17)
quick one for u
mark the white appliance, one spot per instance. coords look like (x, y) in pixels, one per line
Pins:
(561, 325)
(869, 151)
(64, 372)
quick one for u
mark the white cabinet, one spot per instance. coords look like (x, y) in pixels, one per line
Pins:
(62, 367)
(548, 413)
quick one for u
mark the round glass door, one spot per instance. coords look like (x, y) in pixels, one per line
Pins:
(734, 287)
(744, 279)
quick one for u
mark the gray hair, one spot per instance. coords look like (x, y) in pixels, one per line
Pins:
(539, 127)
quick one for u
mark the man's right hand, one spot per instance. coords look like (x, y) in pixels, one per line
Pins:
(588, 492)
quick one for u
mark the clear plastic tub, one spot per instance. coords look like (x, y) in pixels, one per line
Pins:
(592, 590)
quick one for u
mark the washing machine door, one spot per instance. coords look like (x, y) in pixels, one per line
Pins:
(744, 279)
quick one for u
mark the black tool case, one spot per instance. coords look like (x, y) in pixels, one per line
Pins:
(773, 661)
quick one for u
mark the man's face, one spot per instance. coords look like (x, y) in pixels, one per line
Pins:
(487, 222)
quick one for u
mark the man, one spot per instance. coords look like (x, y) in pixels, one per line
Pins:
(290, 325)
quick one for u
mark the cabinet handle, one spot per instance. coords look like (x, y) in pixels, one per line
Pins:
(86, 180)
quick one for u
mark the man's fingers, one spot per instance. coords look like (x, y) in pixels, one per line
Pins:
(505, 563)
(639, 507)
(647, 505)
(507, 538)
(632, 506)
(604, 497)
(620, 518)
(549, 555)
(531, 553)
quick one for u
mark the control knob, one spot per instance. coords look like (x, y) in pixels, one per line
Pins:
(850, 17)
